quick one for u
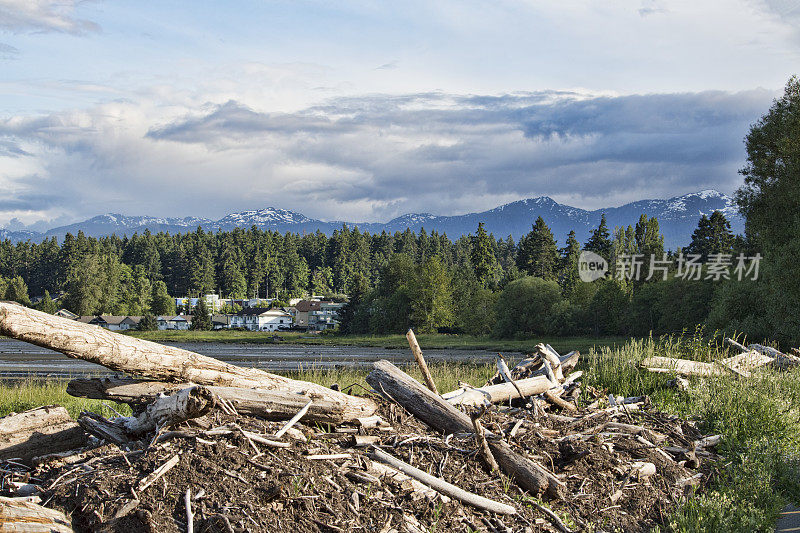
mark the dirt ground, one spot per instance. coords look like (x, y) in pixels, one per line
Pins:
(239, 485)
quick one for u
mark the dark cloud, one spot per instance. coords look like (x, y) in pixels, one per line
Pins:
(555, 143)
(378, 156)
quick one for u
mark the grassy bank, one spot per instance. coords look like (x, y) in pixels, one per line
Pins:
(427, 341)
(759, 419)
(17, 396)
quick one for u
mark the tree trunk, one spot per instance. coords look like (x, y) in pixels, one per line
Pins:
(19, 515)
(271, 405)
(38, 432)
(782, 360)
(156, 361)
(398, 386)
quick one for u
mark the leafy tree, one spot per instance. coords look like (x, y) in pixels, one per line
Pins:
(201, 319)
(525, 306)
(148, 322)
(600, 242)
(483, 259)
(649, 244)
(608, 307)
(352, 318)
(431, 297)
(537, 254)
(161, 303)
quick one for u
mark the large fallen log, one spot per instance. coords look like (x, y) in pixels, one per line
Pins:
(38, 432)
(21, 515)
(498, 393)
(271, 405)
(156, 361)
(398, 386)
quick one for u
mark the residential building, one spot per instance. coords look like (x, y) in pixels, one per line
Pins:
(317, 315)
(67, 314)
(260, 319)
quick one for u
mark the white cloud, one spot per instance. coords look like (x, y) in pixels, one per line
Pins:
(43, 16)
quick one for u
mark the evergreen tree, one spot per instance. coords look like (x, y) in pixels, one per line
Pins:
(148, 322)
(47, 305)
(483, 259)
(649, 243)
(712, 236)
(17, 291)
(599, 242)
(568, 270)
(201, 319)
(537, 253)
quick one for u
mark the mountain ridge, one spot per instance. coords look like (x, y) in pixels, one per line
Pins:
(677, 217)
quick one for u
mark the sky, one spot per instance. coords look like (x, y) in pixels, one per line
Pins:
(364, 110)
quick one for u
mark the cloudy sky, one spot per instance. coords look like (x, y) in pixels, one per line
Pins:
(364, 110)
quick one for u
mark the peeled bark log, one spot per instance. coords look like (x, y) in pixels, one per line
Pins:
(156, 361)
(37, 432)
(423, 366)
(498, 393)
(19, 515)
(681, 366)
(398, 386)
(271, 405)
(549, 355)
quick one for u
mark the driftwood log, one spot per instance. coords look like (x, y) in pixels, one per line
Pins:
(503, 392)
(39, 431)
(156, 361)
(398, 386)
(271, 405)
(23, 516)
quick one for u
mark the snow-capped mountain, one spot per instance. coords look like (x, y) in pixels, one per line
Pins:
(677, 217)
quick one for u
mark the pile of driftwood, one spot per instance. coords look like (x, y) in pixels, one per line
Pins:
(216, 447)
(751, 357)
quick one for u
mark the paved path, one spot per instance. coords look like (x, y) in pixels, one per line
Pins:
(789, 520)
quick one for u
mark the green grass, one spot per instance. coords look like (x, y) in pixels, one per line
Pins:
(18, 396)
(427, 341)
(759, 419)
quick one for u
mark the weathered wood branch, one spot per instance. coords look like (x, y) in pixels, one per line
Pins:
(423, 366)
(498, 393)
(398, 386)
(441, 485)
(155, 361)
(39, 431)
(165, 411)
(271, 405)
(20, 515)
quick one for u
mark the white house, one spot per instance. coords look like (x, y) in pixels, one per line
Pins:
(259, 319)
(174, 322)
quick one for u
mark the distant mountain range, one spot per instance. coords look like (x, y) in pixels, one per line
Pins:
(677, 217)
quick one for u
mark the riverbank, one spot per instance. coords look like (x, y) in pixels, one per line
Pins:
(427, 341)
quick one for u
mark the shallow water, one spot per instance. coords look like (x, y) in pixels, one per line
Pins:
(18, 359)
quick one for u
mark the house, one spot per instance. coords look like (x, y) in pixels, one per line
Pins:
(304, 308)
(220, 322)
(67, 314)
(112, 322)
(181, 322)
(260, 319)
(212, 300)
(317, 315)
(174, 322)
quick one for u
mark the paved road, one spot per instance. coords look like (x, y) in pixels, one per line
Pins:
(789, 520)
